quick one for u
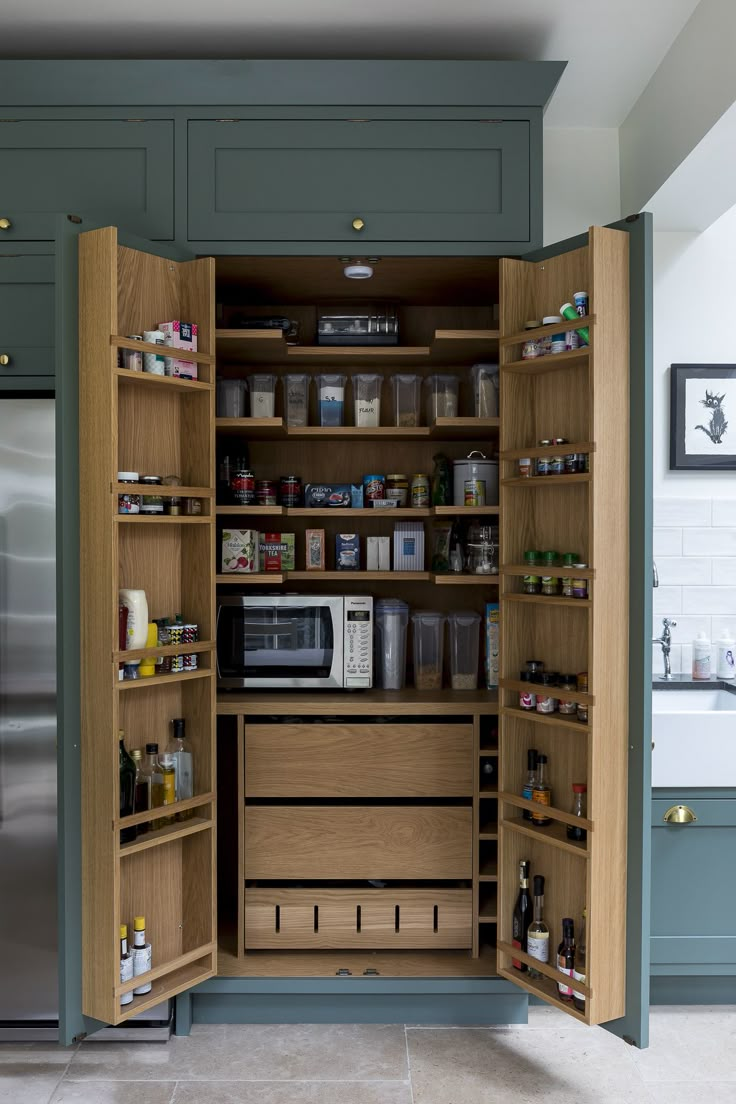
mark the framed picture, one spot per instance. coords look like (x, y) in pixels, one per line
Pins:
(703, 417)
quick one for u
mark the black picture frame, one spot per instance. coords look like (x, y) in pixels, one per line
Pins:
(682, 455)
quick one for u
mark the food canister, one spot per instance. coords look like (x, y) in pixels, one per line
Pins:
(243, 487)
(290, 488)
(397, 487)
(475, 466)
(420, 490)
(374, 487)
(152, 503)
(265, 492)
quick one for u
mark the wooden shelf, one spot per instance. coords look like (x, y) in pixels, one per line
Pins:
(537, 481)
(410, 702)
(556, 814)
(154, 814)
(488, 752)
(274, 429)
(548, 599)
(163, 519)
(557, 570)
(553, 720)
(555, 691)
(543, 988)
(521, 336)
(373, 576)
(547, 450)
(488, 871)
(453, 579)
(464, 511)
(180, 967)
(160, 680)
(163, 492)
(131, 654)
(488, 912)
(147, 379)
(488, 791)
(554, 834)
(488, 831)
(252, 578)
(366, 513)
(167, 834)
(549, 972)
(161, 350)
(250, 511)
(540, 366)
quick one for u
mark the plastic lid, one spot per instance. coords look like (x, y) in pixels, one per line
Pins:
(726, 637)
(335, 377)
(266, 377)
(576, 293)
(464, 617)
(391, 605)
(396, 475)
(404, 377)
(550, 318)
(531, 324)
(428, 615)
(541, 759)
(370, 376)
(442, 377)
(123, 931)
(124, 477)
(139, 923)
(579, 787)
(151, 749)
(296, 376)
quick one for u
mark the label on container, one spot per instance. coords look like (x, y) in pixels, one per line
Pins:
(565, 991)
(541, 797)
(169, 787)
(577, 976)
(537, 945)
(141, 965)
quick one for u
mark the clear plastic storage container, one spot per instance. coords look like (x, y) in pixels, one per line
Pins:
(485, 390)
(464, 629)
(442, 397)
(367, 399)
(406, 399)
(231, 398)
(331, 399)
(296, 399)
(429, 639)
(392, 619)
(262, 395)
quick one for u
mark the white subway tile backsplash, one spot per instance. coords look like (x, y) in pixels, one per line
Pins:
(667, 542)
(723, 511)
(682, 511)
(685, 666)
(713, 600)
(720, 626)
(674, 570)
(667, 601)
(709, 542)
(724, 571)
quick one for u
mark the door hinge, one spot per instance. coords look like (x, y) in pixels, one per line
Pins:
(627, 1038)
(370, 972)
(631, 218)
(342, 972)
(79, 1038)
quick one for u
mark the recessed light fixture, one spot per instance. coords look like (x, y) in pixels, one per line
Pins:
(358, 271)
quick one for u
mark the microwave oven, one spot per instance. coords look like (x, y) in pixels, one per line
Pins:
(294, 641)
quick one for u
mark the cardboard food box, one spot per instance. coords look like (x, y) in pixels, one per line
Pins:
(239, 550)
(277, 551)
(408, 546)
(339, 495)
(180, 335)
(347, 552)
(493, 618)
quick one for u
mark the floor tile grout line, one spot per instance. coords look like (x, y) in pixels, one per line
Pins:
(64, 1072)
(408, 1064)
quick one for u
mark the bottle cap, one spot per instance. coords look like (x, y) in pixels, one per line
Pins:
(539, 885)
(178, 723)
(123, 931)
(541, 759)
(579, 787)
(568, 926)
(139, 924)
(121, 734)
(151, 749)
(531, 758)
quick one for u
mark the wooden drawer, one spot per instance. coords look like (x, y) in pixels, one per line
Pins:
(323, 842)
(340, 760)
(357, 919)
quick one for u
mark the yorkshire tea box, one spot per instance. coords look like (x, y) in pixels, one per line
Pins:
(492, 645)
(276, 551)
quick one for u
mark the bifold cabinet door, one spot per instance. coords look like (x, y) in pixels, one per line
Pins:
(120, 170)
(404, 181)
(26, 316)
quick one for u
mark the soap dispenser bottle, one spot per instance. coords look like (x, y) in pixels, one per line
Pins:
(701, 657)
(725, 656)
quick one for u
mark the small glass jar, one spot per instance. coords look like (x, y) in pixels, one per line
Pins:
(580, 585)
(582, 681)
(542, 465)
(566, 707)
(527, 697)
(579, 795)
(535, 666)
(546, 702)
(133, 358)
(531, 349)
(131, 670)
(129, 503)
(525, 467)
(557, 465)
(566, 582)
(420, 490)
(532, 584)
(266, 492)
(152, 503)
(397, 488)
(193, 507)
(550, 558)
(550, 585)
(571, 463)
(532, 557)
(569, 559)
(173, 504)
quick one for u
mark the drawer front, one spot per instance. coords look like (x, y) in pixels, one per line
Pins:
(324, 842)
(693, 898)
(409, 760)
(27, 315)
(117, 171)
(306, 180)
(357, 919)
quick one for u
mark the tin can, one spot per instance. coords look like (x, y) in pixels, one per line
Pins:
(374, 487)
(475, 492)
(243, 487)
(265, 492)
(556, 465)
(290, 489)
(571, 463)
(420, 490)
(579, 585)
(129, 502)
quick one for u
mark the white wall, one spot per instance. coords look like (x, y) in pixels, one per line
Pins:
(581, 180)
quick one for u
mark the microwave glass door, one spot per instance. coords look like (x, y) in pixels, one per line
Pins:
(277, 644)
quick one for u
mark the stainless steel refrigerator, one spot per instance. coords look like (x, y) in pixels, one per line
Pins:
(28, 827)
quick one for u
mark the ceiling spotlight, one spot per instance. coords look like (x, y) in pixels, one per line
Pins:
(355, 271)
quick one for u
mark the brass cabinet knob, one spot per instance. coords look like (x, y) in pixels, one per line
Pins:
(679, 814)
(4, 359)
(5, 224)
(358, 224)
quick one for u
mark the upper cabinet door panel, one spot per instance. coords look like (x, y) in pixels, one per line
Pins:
(114, 170)
(408, 181)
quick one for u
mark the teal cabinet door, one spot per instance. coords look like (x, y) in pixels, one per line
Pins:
(26, 316)
(693, 891)
(353, 182)
(117, 170)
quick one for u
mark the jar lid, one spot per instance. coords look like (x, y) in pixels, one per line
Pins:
(525, 676)
(560, 441)
(550, 556)
(545, 442)
(152, 480)
(396, 475)
(569, 681)
(531, 324)
(580, 565)
(531, 554)
(427, 615)
(569, 559)
(128, 477)
(464, 617)
(420, 475)
(134, 337)
(550, 318)
(549, 678)
(579, 787)
(290, 478)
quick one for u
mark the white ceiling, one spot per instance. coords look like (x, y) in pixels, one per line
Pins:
(612, 46)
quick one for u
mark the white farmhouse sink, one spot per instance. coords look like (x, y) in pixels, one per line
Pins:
(694, 736)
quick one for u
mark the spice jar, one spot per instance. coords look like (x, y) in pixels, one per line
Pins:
(567, 586)
(152, 503)
(532, 347)
(420, 490)
(525, 467)
(133, 358)
(582, 681)
(397, 488)
(129, 503)
(543, 461)
(579, 793)
(532, 584)
(550, 585)
(579, 585)
(193, 507)
(546, 703)
(266, 492)
(567, 682)
(550, 558)
(570, 558)
(527, 697)
(532, 557)
(557, 465)
(535, 666)
(173, 504)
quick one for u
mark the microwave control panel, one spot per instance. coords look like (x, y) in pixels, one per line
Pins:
(358, 642)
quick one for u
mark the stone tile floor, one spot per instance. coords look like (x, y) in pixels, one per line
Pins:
(691, 1060)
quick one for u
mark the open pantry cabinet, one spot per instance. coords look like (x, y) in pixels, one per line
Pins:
(132, 421)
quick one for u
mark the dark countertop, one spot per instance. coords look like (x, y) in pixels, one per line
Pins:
(687, 682)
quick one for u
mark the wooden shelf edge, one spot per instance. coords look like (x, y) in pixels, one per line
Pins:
(543, 967)
(164, 492)
(542, 988)
(534, 482)
(249, 335)
(467, 335)
(163, 519)
(545, 835)
(548, 600)
(556, 814)
(119, 342)
(160, 680)
(167, 968)
(452, 579)
(559, 571)
(546, 450)
(168, 834)
(552, 327)
(347, 351)
(154, 814)
(552, 719)
(124, 375)
(197, 647)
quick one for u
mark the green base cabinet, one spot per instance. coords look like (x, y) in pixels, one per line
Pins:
(693, 888)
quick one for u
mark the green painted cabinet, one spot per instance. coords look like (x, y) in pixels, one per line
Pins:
(27, 315)
(119, 169)
(693, 889)
(354, 182)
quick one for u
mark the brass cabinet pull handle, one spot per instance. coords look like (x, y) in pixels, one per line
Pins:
(679, 814)
(4, 359)
(5, 224)
(358, 224)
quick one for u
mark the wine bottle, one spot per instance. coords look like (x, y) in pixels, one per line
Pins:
(127, 790)
(522, 917)
(537, 938)
(126, 964)
(531, 779)
(566, 957)
(579, 973)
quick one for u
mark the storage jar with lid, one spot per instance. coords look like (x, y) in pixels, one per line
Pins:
(464, 633)
(442, 397)
(392, 619)
(367, 398)
(133, 358)
(296, 398)
(397, 488)
(406, 400)
(429, 638)
(262, 387)
(230, 398)
(485, 390)
(152, 503)
(475, 466)
(331, 399)
(128, 501)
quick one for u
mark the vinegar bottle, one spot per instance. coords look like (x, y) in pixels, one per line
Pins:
(537, 938)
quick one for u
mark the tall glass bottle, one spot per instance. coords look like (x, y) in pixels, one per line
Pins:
(181, 753)
(566, 957)
(168, 780)
(141, 785)
(127, 789)
(153, 777)
(579, 973)
(537, 938)
(542, 794)
(531, 779)
(522, 917)
(126, 964)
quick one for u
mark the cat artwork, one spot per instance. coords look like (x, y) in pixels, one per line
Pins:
(717, 425)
